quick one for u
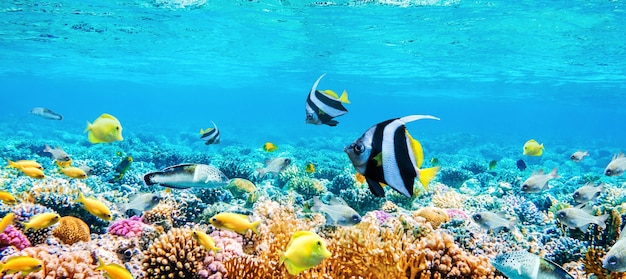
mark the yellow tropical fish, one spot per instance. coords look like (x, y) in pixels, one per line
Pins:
(95, 207)
(343, 98)
(105, 128)
(533, 148)
(269, 147)
(23, 264)
(310, 168)
(63, 164)
(74, 172)
(206, 241)
(305, 250)
(33, 172)
(23, 164)
(6, 221)
(7, 197)
(238, 223)
(42, 221)
(114, 271)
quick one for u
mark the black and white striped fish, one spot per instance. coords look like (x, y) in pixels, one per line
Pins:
(323, 106)
(210, 135)
(387, 154)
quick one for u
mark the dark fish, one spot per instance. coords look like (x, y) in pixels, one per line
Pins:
(493, 164)
(521, 165)
(525, 265)
(387, 154)
(434, 161)
(210, 135)
(322, 108)
(185, 176)
(46, 113)
(122, 168)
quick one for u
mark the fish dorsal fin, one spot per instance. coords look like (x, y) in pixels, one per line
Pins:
(330, 93)
(621, 155)
(502, 214)
(301, 234)
(314, 88)
(344, 97)
(170, 168)
(337, 201)
(540, 172)
(106, 115)
(416, 147)
(268, 161)
(555, 269)
(412, 118)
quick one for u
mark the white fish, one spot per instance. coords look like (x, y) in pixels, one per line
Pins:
(274, 166)
(185, 176)
(139, 203)
(46, 113)
(57, 153)
(579, 155)
(588, 192)
(578, 218)
(493, 221)
(525, 265)
(616, 166)
(337, 211)
(538, 181)
(615, 259)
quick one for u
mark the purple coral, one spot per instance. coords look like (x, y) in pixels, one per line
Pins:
(13, 237)
(381, 216)
(131, 227)
(230, 244)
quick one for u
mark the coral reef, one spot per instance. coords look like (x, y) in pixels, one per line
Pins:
(433, 215)
(230, 245)
(71, 230)
(174, 255)
(13, 237)
(131, 227)
(448, 199)
(60, 264)
(565, 249)
(23, 213)
(453, 177)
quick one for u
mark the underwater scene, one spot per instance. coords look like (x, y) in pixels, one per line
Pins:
(354, 139)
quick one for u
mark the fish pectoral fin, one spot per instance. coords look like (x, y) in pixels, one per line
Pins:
(379, 159)
(426, 175)
(375, 187)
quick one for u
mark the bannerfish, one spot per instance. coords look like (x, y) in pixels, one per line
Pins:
(494, 221)
(615, 259)
(23, 264)
(321, 107)
(387, 154)
(525, 265)
(57, 153)
(138, 203)
(46, 113)
(210, 135)
(274, 166)
(579, 155)
(305, 250)
(337, 212)
(533, 148)
(616, 166)
(521, 165)
(579, 218)
(185, 176)
(588, 192)
(122, 168)
(104, 129)
(538, 181)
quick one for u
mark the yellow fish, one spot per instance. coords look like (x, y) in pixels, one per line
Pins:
(33, 172)
(343, 98)
(23, 164)
(74, 172)
(310, 168)
(7, 198)
(269, 147)
(114, 271)
(41, 221)
(23, 264)
(63, 164)
(95, 207)
(533, 148)
(105, 128)
(238, 223)
(305, 250)
(206, 241)
(6, 221)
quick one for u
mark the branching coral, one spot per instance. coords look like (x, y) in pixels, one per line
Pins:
(71, 230)
(13, 237)
(65, 264)
(174, 255)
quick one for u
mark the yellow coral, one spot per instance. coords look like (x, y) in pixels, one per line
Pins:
(389, 207)
(174, 255)
(435, 216)
(71, 230)
(450, 199)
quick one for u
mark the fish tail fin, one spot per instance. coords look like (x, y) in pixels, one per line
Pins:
(26, 225)
(317, 204)
(101, 264)
(281, 259)
(586, 153)
(255, 227)
(554, 173)
(11, 164)
(261, 172)
(80, 198)
(426, 175)
(602, 221)
(88, 128)
(215, 250)
(344, 97)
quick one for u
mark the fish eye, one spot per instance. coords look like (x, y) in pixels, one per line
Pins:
(576, 195)
(572, 157)
(356, 218)
(524, 187)
(156, 198)
(477, 217)
(612, 260)
(309, 116)
(117, 128)
(358, 148)
(319, 243)
(562, 214)
(607, 172)
(213, 219)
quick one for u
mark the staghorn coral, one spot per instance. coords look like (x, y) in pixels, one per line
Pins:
(174, 255)
(131, 227)
(71, 230)
(13, 237)
(435, 216)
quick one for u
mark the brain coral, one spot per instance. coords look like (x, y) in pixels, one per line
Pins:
(174, 255)
(71, 230)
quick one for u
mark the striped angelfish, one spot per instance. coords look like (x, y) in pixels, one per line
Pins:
(387, 154)
(322, 107)
(210, 135)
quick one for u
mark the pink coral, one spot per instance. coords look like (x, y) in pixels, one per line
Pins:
(456, 213)
(381, 216)
(230, 244)
(131, 227)
(13, 237)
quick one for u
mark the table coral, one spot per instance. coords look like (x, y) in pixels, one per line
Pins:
(174, 255)
(131, 227)
(71, 230)
(13, 237)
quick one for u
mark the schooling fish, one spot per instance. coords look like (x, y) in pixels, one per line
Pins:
(6, 221)
(579, 155)
(579, 218)
(74, 172)
(588, 192)
(274, 166)
(521, 165)
(122, 168)
(387, 154)
(185, 176)
(140, 203)
(533, 148)
(41, 221)
(210, 135)
(615, 259)
(23, 164)
(57, 153)
(305, 250)
(95, 207)
(525, 265)
(46, 113)
(337, 212)
(538, 181)
(321, 107)
(104, 129)
(205, 240)
(7, 197)
(616, 166)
